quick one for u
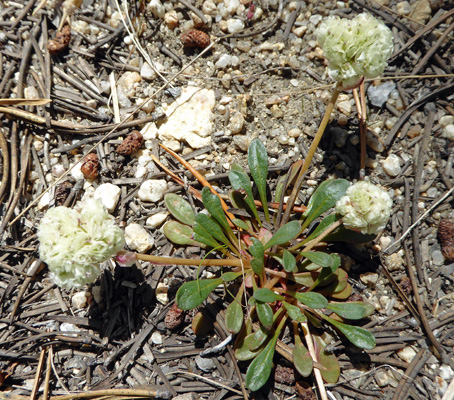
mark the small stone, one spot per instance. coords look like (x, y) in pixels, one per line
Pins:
(44, 201)
(391, 165)
(224, 61)
(378, 95)
(156, 338)
(403, 8)
(157, 219)
(382, 378)
(152, 190)
(147, 72)
(109, 195)
(31, 93)
(406, 354)
(171, 19)
(299, 31)
(242, 141)
(414, 131)
(128, 82)
(441, 385)
(97, 294)
(276, 112)
(448, 132)
(236, 122)
(205, 364)
(421, 11)
(234, 25)
(446, 120)
(137, 238)
(437, 257)
(294, 132)
(446, 372)
(345, 107)
(161, 293)
(395, 262)
(79, 300)
(156, 8)
(369, 278)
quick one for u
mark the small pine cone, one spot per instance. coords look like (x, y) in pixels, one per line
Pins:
(61, 40)
(446, 238)
(174, 317)
(130, 144)
(90, 166)
(195, 38)
(405, 285)
(62, 192)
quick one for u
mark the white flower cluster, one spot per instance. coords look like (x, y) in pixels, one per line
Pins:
(355, 48)
(365, 207)
(73, 244)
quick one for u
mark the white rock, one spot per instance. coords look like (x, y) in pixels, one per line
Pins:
(171, 19)
(188, 116)
(76, 172)
(161, 293)
(345, 107)
(236, 122)
(109, 195)
(149, 131)
(441, 385)
(67, 327)
(44, 201)
(205, 364)
(224, 61)
(156, 8)
(172, 145)
(128, 82)
(391, 165)
(406, 354)
(209, 7)
(31, 93)
(152, 190)
(148, 73)
(157, 219)
(137, 238)
(403, 7)
(448, 132)
(235, 25)
(446, 120)
(231, 6)
(446, 372)
(156, 338)
(79, 300)
(382, 378)
(369, 278)
(58, 170)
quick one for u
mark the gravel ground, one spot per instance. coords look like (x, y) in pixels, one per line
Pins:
(261, 75)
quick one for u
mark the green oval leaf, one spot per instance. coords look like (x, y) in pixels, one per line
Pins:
(259, 337)
(284, 234)
(294, 312)
(302, 359)
(240, 181)
(358, 336)
(192, 294)
(319, 258)
(260, 369)
(211, 227)
(257, 249)
(288, 261)
(240, 224)
(348, 310)
(179, 233)
(203, 236)
(179, 208)
(257, 266)
(325, 197)
(243, 350)
(230, 276)
(258, 165)
(213, 204)
(265, 314)
(331, 371)
(324, 224)
(266, 295)
(310, 299)
(234, 316)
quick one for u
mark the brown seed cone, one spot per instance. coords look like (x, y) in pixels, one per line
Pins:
(405, 285)
(195, 38)
(174, 317)
(61, 40)
(130, 144)
(446, 238)
(90, 166)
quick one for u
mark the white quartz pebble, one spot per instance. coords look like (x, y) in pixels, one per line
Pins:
(157, 219)
(152, 190)
(109, 195)
(391, 165)
(79, 300)
(137, 238)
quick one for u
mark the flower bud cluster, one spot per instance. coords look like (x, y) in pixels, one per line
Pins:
(73, 244)
(355, 48)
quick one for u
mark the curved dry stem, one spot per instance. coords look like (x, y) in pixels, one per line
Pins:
(231, 262)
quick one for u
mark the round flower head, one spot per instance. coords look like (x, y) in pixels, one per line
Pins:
(74, 244)
(365, 207)
(355, 48)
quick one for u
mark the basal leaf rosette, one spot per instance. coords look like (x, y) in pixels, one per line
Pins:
(365, 208)
(73, 244)
(355, 48)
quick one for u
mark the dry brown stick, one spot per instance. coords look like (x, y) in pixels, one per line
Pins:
(47, 377)
(423, 61)
(5, 156)
(38, 374)
(23, 13)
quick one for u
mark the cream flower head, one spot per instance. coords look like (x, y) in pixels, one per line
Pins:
(365, 207)
(73, 244)
(355, 48)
